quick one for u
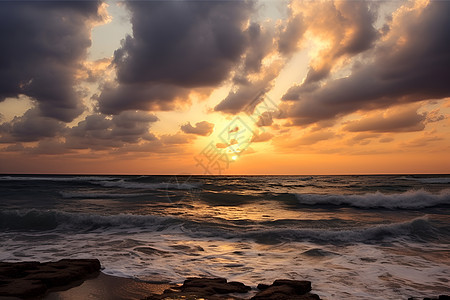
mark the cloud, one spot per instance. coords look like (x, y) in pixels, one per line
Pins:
(289, 142)
(176, 46)
(348, 27)
(43, 46)
(263, 137)
(342, 27)
(260, 43)
(49, 147)
(435, 116)
(363, 138)
(312, 138)
(124, 133)
(155, 146)
(116, 98)
(397, 120)
(422, 141)
(386, 140)
(201, 128)
(100, 132)
(176, 139)
(290, 34)
(254, 78)
(30, 127)
(224, 145)
(246, 96)
(411, 63)
(265, 119)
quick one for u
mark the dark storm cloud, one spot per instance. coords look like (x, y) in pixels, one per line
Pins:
(30, 127)
(290, 35)
(201, 128)
(43, 44)
(247, 91)
(412, 64)
(248, 95)
(117, 98)
(176, 46)
(100, 132)
(260, 42)
(120, 134)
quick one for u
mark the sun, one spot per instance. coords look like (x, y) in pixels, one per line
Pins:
(234, 157)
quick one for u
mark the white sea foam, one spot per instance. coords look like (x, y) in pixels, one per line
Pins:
(414, 199)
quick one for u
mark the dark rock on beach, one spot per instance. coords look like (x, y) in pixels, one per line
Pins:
(284, 289)
(32, 279)
(219, 288)
(207, 288)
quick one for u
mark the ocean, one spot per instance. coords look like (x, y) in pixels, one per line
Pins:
(354, 237)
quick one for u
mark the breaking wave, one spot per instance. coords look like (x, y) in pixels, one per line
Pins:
(151, 186)
(45, 220)
(414, 199)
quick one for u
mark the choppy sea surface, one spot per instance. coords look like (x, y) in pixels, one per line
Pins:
(354, 237)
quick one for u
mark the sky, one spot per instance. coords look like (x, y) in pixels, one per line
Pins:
(225, 87)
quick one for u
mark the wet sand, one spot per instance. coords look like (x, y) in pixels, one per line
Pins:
(107, 287)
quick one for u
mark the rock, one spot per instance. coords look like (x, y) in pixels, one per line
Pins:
(285, 289)
(22, 288)
(208, 288)
(275, 292)
(202, 282)
(218, 285)
(444, 297)
(32, 279)
(262, 286)
(300, 286)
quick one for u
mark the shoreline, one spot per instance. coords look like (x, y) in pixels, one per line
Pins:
(83, 279)
(111, 287)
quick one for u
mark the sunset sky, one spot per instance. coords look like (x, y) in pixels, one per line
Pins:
(225, 87)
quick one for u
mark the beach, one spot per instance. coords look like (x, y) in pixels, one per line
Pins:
(82, 279)
(352, 237)
(109, 287)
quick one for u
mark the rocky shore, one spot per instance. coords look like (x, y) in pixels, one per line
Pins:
(32, 279)
(219, 288)
(35, 280)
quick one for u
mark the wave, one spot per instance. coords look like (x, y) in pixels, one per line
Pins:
(107, 182)
(415, 199)
(75, 195)
(418, 228)
(38, 220)
(46, 220)
(151, 186)
(63, 179)
(435, 180)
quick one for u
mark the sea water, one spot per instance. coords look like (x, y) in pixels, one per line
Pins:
(354, 237)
